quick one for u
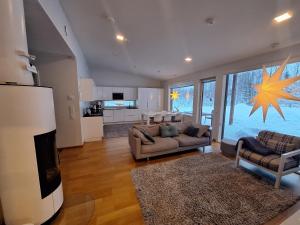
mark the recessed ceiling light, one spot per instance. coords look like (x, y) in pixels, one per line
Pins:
(120, 37)
(188, 59)
(283, 17)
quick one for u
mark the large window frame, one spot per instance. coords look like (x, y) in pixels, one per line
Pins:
(270, 67)
(202, 83)
(192, 95)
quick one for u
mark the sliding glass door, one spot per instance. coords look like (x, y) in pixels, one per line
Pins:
(208, 88)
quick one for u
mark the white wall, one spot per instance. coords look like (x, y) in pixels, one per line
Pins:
(111, 79)
(12, 38)
(220, 72)
(60, 72)
(57, 15)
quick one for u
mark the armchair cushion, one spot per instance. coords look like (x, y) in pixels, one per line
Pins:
(270, 161)
(279, 147)
(253, 145)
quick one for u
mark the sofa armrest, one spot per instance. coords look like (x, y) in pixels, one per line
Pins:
(291, 154)
(135, 144)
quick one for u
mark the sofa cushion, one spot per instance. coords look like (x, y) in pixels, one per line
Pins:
(202, 129)
(160, 145)
(137, 133)
(168, 131)
(153, 130)
(181, 127)
(191, 131)
(270, 161)
(185, 140)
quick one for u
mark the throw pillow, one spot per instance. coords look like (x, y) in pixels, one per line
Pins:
(202, 129)
(137, 133)
(279, 147)
(168, 131)
(148, 136)
(192, 131)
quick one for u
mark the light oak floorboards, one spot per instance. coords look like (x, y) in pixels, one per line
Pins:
(98, 189)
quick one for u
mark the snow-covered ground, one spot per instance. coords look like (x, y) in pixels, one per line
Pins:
(243, 125)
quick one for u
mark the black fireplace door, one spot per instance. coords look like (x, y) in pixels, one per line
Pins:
(47, 161)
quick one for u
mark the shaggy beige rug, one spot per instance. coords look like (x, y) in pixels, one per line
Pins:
(206, 190)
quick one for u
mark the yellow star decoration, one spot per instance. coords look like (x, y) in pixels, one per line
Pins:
(174, 95)
(271, 89)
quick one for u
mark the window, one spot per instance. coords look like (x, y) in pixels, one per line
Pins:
(240, 91)
(184, 103)
(120, 103)
(208, 101)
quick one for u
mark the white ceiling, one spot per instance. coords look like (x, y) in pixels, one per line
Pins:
(161, 33)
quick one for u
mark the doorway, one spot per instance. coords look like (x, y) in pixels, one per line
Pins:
(207, 104)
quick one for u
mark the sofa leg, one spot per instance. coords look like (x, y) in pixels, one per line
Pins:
(148, 158)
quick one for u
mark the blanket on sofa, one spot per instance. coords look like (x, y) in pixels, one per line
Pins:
(254, 145)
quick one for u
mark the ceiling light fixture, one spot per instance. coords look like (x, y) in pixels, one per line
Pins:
(120, 37)
(188, 59)
(283, 17)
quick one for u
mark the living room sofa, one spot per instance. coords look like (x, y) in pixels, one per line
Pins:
(166, 145)
(281, 154)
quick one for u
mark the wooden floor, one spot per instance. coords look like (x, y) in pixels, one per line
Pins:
(98, 187)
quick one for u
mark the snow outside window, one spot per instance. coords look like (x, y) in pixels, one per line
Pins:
(240, 91)
(184, 103)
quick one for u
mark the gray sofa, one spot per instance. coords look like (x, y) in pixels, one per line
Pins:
(167, 145)
(284, 156)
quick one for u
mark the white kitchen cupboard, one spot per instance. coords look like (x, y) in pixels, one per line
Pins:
(117, 90)
(99, 93)
(107, 93)
(130, 93)
(108, 116)
(92, 128)
(119, 115)
(150, 99)
(87, 90)
(132, 115)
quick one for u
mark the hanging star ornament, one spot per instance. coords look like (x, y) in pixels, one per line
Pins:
(271, 90)
(174, 95)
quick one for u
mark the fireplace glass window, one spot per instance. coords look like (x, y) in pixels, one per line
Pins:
(47, 161)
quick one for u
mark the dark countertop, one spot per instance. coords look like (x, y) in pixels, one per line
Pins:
(93, 115)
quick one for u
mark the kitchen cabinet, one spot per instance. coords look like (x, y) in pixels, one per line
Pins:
(99, 93)
(150, 99)
(108, 116)
(130, 93)
(107, 93)
(132, 115)
(121, 115)
(87, 90)
(118, 115)
(92, 128)
(117, 90)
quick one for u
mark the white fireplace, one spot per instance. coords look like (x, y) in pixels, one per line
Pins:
(30, 184)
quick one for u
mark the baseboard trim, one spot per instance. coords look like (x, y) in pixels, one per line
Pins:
(75, 146)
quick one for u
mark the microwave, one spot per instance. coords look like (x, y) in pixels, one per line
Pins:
(118, 96)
